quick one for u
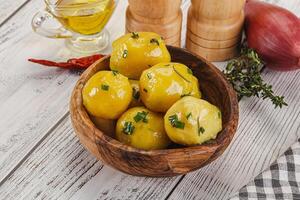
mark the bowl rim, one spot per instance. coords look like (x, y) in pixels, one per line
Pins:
(232, 121)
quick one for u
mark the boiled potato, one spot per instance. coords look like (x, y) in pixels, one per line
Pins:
(107, 94)
(135, 52)
(192, 121)
(107, 126)
(142, 129)
(165, 83)
(136, 97)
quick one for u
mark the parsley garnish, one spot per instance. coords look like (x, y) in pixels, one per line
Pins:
(219, 115)
(185, 95)
(115, 72)
(188, 115)
(149, 76)
(135, 93)
(190, 71)
(201, 130)
(154, 41)
(135, 35)
(175, 122)
(180, 74)
(128, 128)
(141, 116)
(125, 53)
(105, 87)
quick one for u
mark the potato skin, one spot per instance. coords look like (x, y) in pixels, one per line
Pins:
(132, 55)
(147, 136)
(165, 83)
(202, 121)
(107, 94)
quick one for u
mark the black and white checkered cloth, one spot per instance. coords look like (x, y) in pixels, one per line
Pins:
(281, 181)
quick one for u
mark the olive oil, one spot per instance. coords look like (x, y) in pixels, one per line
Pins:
(86, 17)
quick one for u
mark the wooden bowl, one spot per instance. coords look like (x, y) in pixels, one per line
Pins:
(168, 162)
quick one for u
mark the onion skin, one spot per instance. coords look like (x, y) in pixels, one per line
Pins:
(274, 33)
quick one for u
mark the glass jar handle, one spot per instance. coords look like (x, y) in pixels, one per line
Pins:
(38, 24)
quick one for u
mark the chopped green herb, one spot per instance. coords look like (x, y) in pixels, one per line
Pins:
(128, 128)
(167, 65)
(135, 35)
(219, 115)
(105, 87)
(190, 71)
(115, 72)
(201, 130)
(145, 90)
(141, 116)
(149, 76)
(180, 74)
(125, 53)
(175, 122)
(188, 116)
(185, 95)
(135, 93)
(154, 41)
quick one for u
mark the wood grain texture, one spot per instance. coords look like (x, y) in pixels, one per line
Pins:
(162, 17)
(33, 98)
(167, 162)
(9, 8)
(268, 132)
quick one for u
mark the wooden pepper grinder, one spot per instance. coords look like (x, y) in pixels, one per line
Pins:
(163, 17)
(214, 28)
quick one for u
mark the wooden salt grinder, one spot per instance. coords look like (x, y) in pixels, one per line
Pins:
(214, 28)
(163, 17)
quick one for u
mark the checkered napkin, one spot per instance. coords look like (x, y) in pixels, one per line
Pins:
(281, 181)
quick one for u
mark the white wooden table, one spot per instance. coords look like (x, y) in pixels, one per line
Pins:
(40, 157)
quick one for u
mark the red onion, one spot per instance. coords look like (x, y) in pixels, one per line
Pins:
(274, 33)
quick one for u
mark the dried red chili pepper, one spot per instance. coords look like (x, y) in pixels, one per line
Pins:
(73, 63)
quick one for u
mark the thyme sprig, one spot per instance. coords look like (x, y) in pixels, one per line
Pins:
(244, 75)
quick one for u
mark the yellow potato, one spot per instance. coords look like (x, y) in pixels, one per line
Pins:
(135, 52)
(136, 97)
(142, 129)
(165, 83)
(192, 121)
(107, 94)
(107, 126)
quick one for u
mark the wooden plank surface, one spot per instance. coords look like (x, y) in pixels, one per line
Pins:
(45, 160)
(9, 8)
(33, 99)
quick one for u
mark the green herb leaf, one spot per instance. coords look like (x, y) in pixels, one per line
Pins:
(125, 53)
(128, 128)
(135, 93)
(135, 35)
(154, 41)
(149, 75)
(190, 71)
(141, 116)
(244, 75)
(185, 95)
(188, 115)
(105, 87)
(115, 72)
(177, 72)
(175, 122)
(219, 115)
(201, 130)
